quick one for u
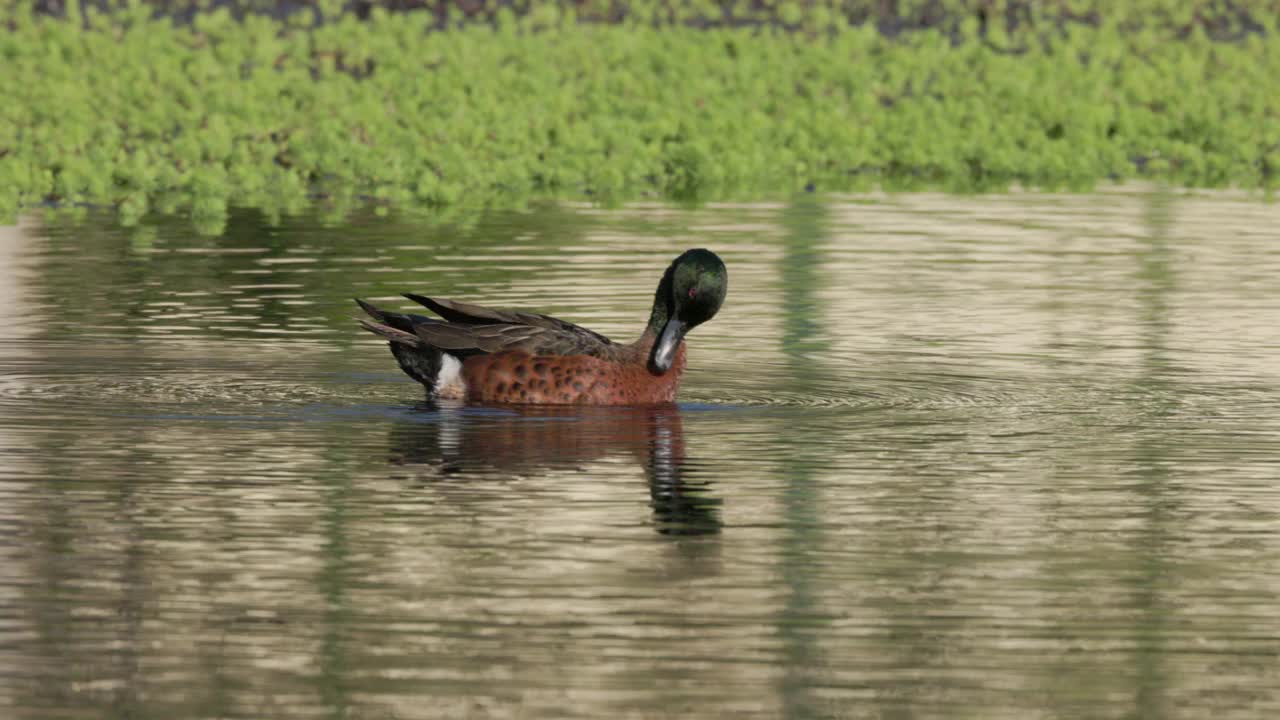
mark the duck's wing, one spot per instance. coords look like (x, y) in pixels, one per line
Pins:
(471, 329)
(468, 314)
(461, 313)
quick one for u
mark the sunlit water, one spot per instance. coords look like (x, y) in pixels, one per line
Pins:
(937, 457)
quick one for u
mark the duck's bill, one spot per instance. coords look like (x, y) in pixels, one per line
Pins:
(664, 351)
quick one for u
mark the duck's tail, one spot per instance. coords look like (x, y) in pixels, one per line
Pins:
(421, 361)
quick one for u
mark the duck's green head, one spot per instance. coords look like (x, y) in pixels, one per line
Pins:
(691, 292)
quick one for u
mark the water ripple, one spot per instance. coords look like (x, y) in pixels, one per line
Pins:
(996, 456)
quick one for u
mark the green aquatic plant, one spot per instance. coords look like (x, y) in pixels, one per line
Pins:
(132, 110)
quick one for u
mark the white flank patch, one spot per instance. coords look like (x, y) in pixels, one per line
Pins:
(449, 382)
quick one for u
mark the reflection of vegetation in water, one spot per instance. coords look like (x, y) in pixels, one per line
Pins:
(332, 582)
(128, 277)
(1159, 396)
(802, 342)
(144, 115)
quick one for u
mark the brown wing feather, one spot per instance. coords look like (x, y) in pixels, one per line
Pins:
(390, 333)
(490, 331)
(499, 338)
(468, 314)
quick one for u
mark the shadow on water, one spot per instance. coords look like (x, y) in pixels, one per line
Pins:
(471, 444)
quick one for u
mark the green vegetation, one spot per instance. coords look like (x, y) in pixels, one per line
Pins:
(142, 113)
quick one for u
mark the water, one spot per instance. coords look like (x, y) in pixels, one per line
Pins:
(937, 457)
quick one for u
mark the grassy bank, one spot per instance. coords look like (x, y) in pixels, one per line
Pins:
(128, 110)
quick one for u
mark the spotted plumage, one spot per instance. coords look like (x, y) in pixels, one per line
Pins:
(483, 355)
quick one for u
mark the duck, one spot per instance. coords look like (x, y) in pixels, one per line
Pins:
(482, 355)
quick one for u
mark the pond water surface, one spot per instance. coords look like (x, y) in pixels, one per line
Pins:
(1011, 456)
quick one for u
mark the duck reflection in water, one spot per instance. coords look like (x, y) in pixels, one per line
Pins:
(456, 441)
